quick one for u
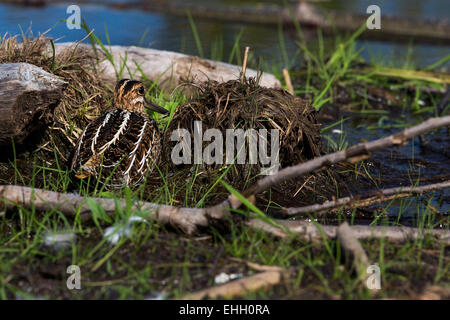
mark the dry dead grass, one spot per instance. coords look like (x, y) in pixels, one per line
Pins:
(246, 105)
(85, 97)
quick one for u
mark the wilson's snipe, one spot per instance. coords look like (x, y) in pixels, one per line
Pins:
(121, 145)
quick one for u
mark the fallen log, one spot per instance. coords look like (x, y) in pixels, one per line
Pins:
(188, 220)
(27, 94)
(168, 68)
(306, 14)
(394, 28)
(191, 220)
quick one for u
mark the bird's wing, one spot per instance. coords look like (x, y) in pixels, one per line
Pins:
(98, 133)
(119, 140)
(133, 150)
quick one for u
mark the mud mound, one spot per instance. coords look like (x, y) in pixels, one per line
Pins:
(245, 105)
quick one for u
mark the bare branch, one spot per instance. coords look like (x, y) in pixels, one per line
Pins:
(186, 219)
(189, 220)
(370, 198)
(353, 154)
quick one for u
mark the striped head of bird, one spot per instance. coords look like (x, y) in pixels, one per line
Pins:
(130, 95)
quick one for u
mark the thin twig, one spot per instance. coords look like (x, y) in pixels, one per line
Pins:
(190, 220)
(244, 64)
(353, 247)
(262, 280)
(287, 79)
(370, 198)
(257, 266)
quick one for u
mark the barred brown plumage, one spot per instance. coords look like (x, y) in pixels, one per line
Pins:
(121, 145)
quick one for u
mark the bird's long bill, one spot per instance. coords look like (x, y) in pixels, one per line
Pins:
(154, 107)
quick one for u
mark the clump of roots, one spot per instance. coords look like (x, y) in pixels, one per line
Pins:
(246, 105)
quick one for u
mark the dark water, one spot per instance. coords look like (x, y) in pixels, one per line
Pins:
(409, 165)
(160, 31)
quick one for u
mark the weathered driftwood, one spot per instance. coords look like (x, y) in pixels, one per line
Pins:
(315, 232)
(31, 3)
(368, 199)
(188, 220)
(27, 93)
(168, 68)
(393, 28)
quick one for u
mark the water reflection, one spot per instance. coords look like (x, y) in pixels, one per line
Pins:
(160, 31)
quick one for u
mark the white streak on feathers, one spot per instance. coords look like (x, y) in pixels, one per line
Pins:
(94, 141)
(144, 160)
(138, 99)
(126, 116)
(79, 146)
(133, 153)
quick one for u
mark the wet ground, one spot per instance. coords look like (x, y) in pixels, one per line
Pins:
(159, 264)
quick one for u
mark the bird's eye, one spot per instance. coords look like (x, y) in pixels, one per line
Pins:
(141, 90)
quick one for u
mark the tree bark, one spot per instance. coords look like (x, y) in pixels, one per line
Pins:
(27, 93)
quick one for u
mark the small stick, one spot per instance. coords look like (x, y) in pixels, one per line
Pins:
(257, 266)
(370, 198)
(287, 79)
(262, 280)
(244, 64)
(189, 220)
(353, 247)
